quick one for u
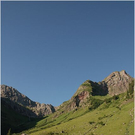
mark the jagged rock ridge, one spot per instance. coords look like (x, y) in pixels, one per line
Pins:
(116, 83)
(23, 104)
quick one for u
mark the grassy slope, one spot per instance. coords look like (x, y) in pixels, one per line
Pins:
(113, 117)
(111, 121)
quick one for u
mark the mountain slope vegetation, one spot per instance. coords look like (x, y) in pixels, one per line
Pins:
(103, 108)
(112, 116)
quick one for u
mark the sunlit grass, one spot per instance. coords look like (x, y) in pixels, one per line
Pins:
(108, 121)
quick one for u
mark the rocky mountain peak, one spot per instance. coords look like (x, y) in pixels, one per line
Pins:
(16, 97)
(83, 87)
(117, 82)
(123, 72)
(118, 75)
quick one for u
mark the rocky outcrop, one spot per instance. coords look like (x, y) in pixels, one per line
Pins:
(20, 101)
(80, 99)
(117, 82)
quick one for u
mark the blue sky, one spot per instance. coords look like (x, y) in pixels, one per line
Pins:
(50, 48)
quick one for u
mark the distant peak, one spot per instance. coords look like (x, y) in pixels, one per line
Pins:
(123, 72)
(120, 72)
(87, 81)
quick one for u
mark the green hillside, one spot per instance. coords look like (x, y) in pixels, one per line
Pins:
(90, 111)
(111, 121)
(104, 115)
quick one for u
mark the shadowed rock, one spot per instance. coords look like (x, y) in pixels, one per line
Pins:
(15, 96)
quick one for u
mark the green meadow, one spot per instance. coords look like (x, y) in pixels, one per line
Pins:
(113, 116)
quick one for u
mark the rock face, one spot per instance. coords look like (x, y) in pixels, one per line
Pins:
(23, 104)
(116, 83)
(80, 99)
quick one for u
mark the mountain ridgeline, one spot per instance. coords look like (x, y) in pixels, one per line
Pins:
(115, 84)
(23, 104)
(85, 97)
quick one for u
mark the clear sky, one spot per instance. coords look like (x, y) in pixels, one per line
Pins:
(50, 48)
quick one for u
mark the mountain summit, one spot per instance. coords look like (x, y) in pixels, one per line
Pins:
(116, 83)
